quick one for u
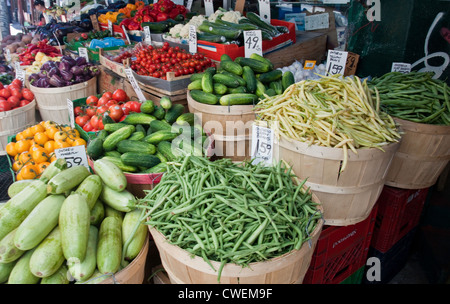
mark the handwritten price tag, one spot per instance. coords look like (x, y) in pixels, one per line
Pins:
(401, 67)
(82, 52)
(71, 113)
(264, 10)
(209, 7)
(192, 39)
(110, 27)
(20, 73)
(74, 156)
(7, 54)
(126, 34)
(253, 43)
(189, 5)
(262, 144)
(134, 84)
(147, 35)
(336, 62)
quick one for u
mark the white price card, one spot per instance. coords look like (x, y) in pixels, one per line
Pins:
(192, 39)
(126, 34)
(189, 5)
(262, 144)
(20, 73)
(74, 156)
(252, 43)
(336, 62)
(147, 35)
(209, 7)
(110, 27)
(264, 10)
(317, 21)
(82, 52)
(71, 113)
(134, 84)
(7, 54)
(401, 67)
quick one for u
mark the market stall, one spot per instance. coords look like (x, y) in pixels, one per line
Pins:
(207, 146)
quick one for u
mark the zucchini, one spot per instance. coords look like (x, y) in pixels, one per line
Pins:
(262, 59)
(165, 103)
(109, 211)
(97, 213)
(211, 37)
(54, 168)
(112, 127)
(110, 174)
(5, 271)
(135, 146)
(134, 240)
(271, 76)
(109, 246)
(158, 136)
(227, 80)
(147, 107)
(203, 97)
(90, 188)
(138, 135)
(95, 148)
(112, 139)
(48, 256)
(195, 85)
(239, 89)
(67, 179)
(173, 113)
(84, 270)
(121, 201)
(59, 277)
(255, 19)
(256, 65)
(250, 79)
(39, 223)
(277, 87)
(18, 186)
(232, 67)
(138, 159)
(119, 163)
(139, 118)
(74, 222)
(21, 273)
(165, 148)
(207, 82)
(216, 29)
(287, 80)
(158, 125)
(8, 251)
(237, 26)
(238, 99)
(17, 208)
(159, 112)
(186, 118)
(156, 27)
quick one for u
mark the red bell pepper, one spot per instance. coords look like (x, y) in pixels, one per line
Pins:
(162, 17)
(134, 26)
(174, 12)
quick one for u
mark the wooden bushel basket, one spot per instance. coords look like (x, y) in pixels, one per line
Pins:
(422, 156)
(236, 148)
(289, 268)
(347, 197)
(52, 102)
(15, 121)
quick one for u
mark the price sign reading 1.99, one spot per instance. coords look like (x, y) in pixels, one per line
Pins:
(252, 43)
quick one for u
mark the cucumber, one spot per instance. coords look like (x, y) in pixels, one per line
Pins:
(109, 211)
(84, 270)
(211, 37)
(112, 153)
(67, 179)
(59, 277)
(165, 102)
(239, 89)
(232, 67)
(110, 174)
(74, 222)
(102, 134)
(112, 139)
(135, 146)
(219, 88)
(17, 208)
(158, 125)
(97, 213)
(158, 136)
(95, 148)
(90, 188)
(203, 97)
(39, 223)
(238, 99)
(119, 163)
(262, 59)
(112, 127)
(256, 65)
(186, 118)
(122, 201)
(216, 29)
(8, 251)
(139, 128)
(260, 89)
(271, 76)
(5, 271)
(196, 76)
(139, 118)
(18, 186)
(138, 159)
(107, 119)
(48, 256)
(165, 148)
(207, 82)
(255, 19)
(21, 273)
(250, 79)
(237, 77)
(227, 80)
(147, 107)
(137, 135)
(109, 246)
(224, 57)
(133, 240)
(161, 157)
(173, 113)
(159, 113)
(270, 92)
(277, 87)
(54, 168)
(159, 168)
(156, 27)
(195, 85)
(237, 26)
(287, 80)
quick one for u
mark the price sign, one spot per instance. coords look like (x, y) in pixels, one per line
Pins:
(264, 10)
(352, 64)
(20, 73)
(147, 35)
(134, 84)
(189, 5)
(178, 2)
(192, 39)
(252, 42)
(7, 54)
(262, 144)
(74, 156)
(94, 22)
(82, 52)
(336, 62)
(71, 113)
(110, 27)
(309, 64)
(126, 34)
(209, 7)
(401, 67)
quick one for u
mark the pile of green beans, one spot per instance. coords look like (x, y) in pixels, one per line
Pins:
(414, 96)
(231, 213)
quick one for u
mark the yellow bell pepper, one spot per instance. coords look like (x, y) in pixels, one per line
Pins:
(131, 6)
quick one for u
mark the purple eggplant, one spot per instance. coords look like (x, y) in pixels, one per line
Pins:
(76, 70)
(81, 61)
(56, 81)
(66, 75)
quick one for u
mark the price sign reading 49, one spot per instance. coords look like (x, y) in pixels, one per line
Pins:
(253, 42)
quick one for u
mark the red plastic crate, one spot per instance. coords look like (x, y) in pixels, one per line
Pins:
(340, 251)
(117, 29)
(215, 50)
(399, 211)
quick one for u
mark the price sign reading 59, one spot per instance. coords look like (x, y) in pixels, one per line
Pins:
(74, 156)
(253, 43)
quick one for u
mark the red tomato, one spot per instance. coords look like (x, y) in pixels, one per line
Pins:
(94, 121)
(92, 100)
(82, 120)
(111, 102)
(16, 93)
(27, 94)
(88, 127)
(123, 118)
(17, 82)
(120, 95)
(1, 86)
(77, 111)
(23, 102)
(4, 105)
(5, 93)
(133, 106)
(103, 100)
(91, 111)
(115, 112)
(101, 109)
(14, 101)
(100, 124)
(108, 95)
(125, 110)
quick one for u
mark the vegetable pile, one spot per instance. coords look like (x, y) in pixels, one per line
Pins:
(414, 96)
(28, 56)
(66, 72)
(231, 213)
(243, 81)
(14, 96)
(69, 221)
(332, 112)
